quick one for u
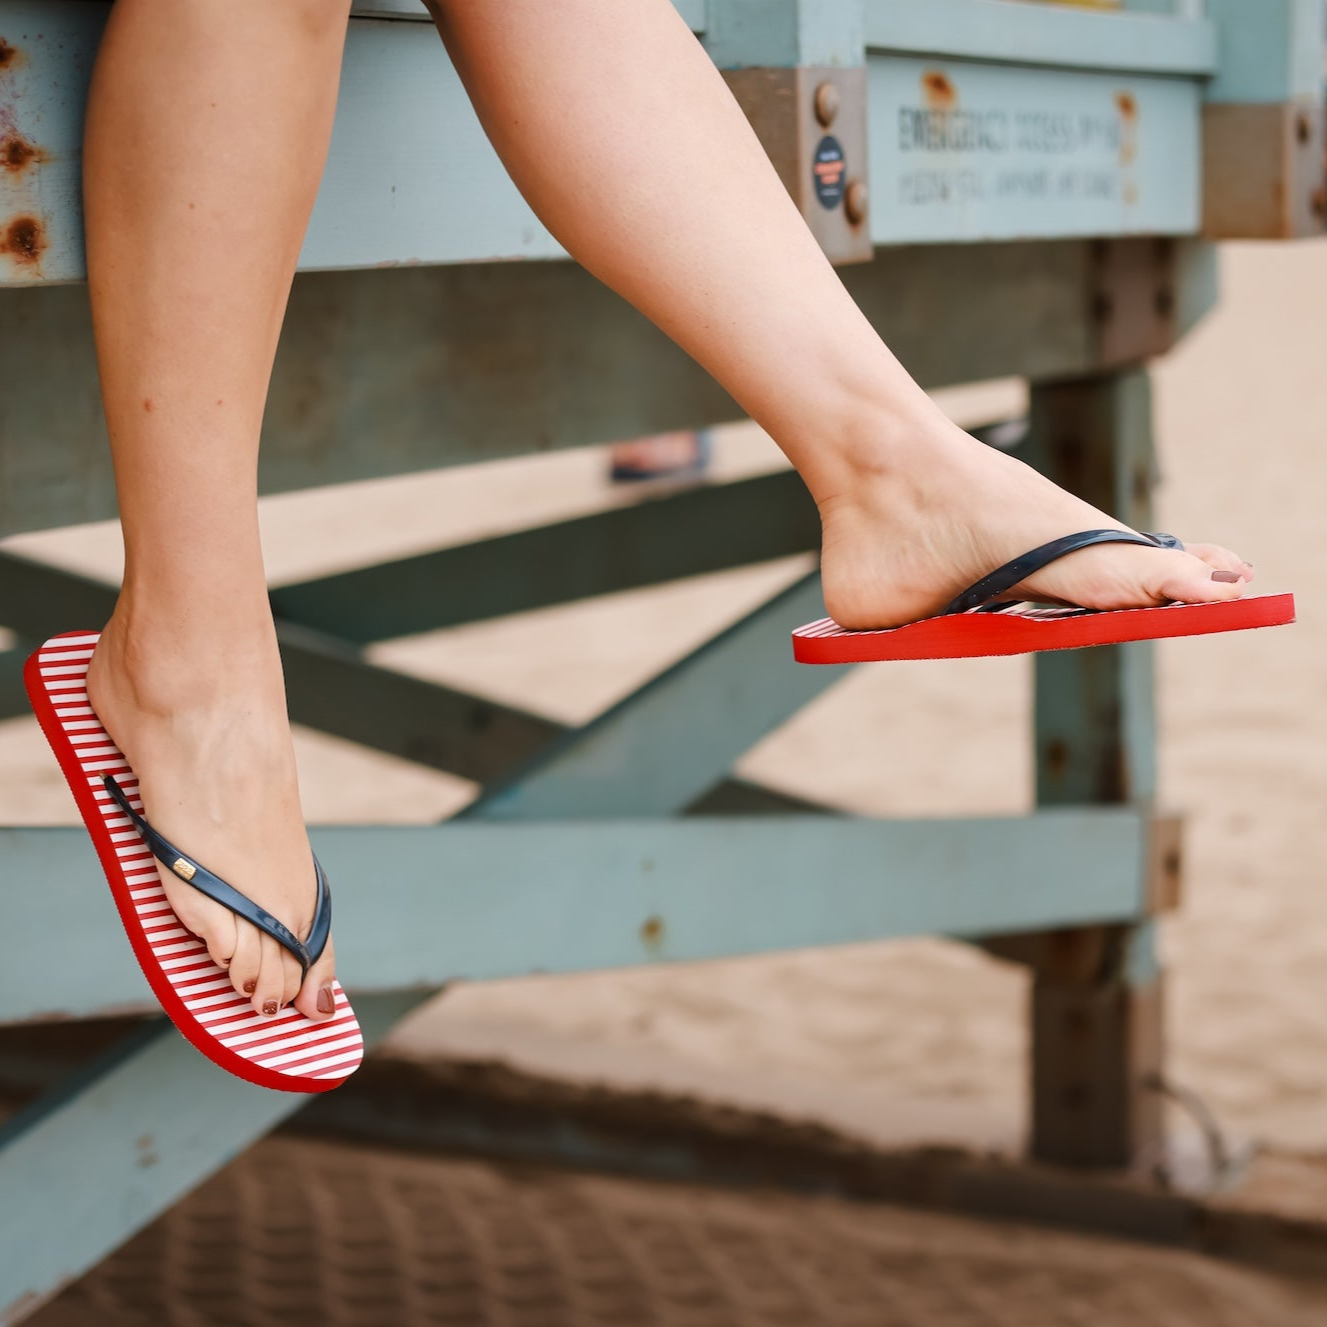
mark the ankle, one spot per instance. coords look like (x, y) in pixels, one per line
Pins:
(878, 448)
(164, 663)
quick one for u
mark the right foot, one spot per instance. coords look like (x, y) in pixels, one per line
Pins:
(207, 735)
(904, 536)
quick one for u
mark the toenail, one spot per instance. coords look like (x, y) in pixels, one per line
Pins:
(326, 1001)
(250, 986)
(270, 1007)
(1227, 577)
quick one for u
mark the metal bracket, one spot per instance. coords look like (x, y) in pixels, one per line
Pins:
(1263, 171)
(812, 122)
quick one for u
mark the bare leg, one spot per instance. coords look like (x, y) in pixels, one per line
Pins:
(192, 238)
(623, 137)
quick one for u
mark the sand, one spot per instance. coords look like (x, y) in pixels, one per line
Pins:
(923, 1039)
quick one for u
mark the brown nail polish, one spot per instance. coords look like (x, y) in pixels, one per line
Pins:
(326, 1001)
(1226, 577)
(270, 1007)
(250, 986)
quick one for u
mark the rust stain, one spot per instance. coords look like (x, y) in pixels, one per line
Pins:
(9, 55)
(1127, 105)
(652, 932)
(17, 154)
(938, 92)
(25, 240)
(1130, 193)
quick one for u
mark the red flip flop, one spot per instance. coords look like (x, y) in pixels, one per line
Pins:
(289, 1051)
(974, 625)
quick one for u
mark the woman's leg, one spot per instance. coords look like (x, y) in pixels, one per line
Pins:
(206, 132)
(625, 140)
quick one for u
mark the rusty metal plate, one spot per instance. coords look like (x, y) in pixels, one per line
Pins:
(962, 150)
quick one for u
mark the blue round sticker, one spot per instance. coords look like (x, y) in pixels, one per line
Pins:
(829, 172)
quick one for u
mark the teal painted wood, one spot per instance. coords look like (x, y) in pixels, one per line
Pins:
(1271, 51)
(390, 372)
(89, 1166)
(667, 743)
(411, 177)
(1095, 720)
(623, 548)
(332, 687)
(966, 151)
(485, 901)
(1044, 35)
(744, 34)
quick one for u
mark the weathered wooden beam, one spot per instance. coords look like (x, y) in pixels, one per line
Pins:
(483, 901)
(704, 529)
(674, 738)
(330, 685)
(390, 372)
(1097, 1026)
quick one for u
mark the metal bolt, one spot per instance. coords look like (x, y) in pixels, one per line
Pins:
(854, 202)
(828, 102)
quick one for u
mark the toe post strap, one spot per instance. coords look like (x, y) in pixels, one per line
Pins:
(307, 952)
(1003, 579)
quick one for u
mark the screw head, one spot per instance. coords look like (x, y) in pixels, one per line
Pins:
(828, 101)
(855, 202)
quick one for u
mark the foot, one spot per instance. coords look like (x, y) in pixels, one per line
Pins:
(658, 457)
(207, 734)
(905, 534)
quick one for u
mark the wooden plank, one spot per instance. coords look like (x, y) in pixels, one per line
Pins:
(1097, 1016)
(771, 34)
(1034, 35)
(331, 686)
(674, 738)
(622, 548)
(480, 901)
(382, 373)
(1271, 51)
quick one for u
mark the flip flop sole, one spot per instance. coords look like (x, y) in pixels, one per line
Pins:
(289, 1052)
(1031, 631)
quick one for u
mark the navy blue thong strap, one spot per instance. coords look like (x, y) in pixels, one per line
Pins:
(306, 951)
(1003, 579)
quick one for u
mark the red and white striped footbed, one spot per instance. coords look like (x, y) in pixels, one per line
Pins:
(288, 1052)
(1023, 630)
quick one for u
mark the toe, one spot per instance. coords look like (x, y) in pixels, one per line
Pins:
(245, 965)
(209, 921)
(1221, 559)
(291, 974)
(317, 999)
(1188, 579)
(269, 994)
